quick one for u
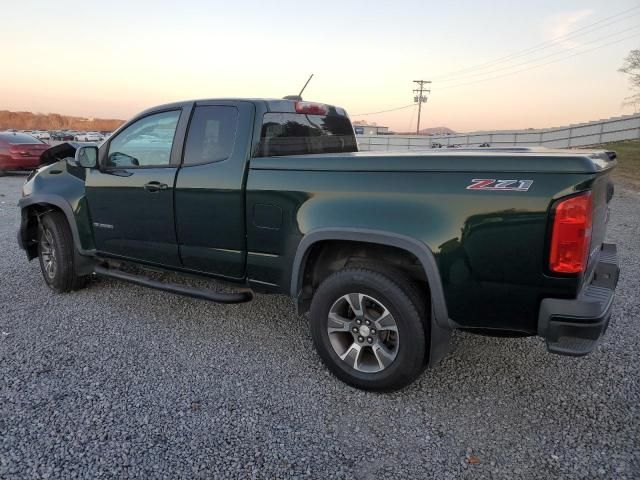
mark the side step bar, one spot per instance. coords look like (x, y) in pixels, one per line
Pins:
(200, 293)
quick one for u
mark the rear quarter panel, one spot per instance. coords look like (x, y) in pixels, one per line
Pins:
(489, 246)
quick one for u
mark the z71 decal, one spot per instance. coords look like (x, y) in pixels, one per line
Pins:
(500, 185)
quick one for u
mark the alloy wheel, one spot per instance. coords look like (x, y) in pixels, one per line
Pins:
(363, 332)
(48, 253)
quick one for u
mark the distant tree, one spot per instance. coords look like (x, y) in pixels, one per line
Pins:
(51, 121)
(631, 67)
(55, 121)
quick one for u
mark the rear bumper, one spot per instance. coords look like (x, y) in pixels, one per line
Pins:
(574, 327)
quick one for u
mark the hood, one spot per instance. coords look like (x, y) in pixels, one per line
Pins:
(60, 152)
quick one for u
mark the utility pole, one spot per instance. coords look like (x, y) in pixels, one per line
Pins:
(420, 98)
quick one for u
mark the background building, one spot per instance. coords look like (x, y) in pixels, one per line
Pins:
(364, 129)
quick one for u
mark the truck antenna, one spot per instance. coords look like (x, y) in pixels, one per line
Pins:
(305, 86)
(299, 96)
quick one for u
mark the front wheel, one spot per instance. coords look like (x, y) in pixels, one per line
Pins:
(56, 253)
(368, 330)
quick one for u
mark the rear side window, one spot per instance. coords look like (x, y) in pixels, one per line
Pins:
(300, 134)
(18, 138)
(211, 136)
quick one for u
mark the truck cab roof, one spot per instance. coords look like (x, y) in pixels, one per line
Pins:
(273, 105)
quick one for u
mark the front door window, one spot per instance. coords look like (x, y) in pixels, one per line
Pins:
(145, 143)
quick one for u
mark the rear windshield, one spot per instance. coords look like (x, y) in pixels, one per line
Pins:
(18, 138)
(299, 134)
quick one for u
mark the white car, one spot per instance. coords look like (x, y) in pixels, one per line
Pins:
(89, 137)
(41, 135)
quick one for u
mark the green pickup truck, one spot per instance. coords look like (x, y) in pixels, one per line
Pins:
(387, 251)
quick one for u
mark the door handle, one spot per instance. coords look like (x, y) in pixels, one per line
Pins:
(155, 186)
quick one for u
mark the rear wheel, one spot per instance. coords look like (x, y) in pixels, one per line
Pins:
(368, 330)
(56, 253)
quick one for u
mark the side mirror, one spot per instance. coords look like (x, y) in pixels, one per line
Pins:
(86, 157)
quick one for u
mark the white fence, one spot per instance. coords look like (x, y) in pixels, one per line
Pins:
(583, 134)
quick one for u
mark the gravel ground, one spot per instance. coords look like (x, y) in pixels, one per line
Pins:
(121, 381)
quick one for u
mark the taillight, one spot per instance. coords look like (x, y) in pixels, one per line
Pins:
(16, 152)
(311, 108)
(571, 234)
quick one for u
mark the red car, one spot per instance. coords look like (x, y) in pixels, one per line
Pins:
(19, 151)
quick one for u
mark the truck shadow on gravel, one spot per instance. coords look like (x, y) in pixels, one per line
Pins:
(488, 367)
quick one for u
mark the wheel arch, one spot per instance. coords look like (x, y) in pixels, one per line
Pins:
(401, 242)
(32, 208)
(39, 204)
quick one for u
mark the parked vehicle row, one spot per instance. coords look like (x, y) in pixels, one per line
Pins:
(20, 151)
(63, 135)
(66, 135)
(79, 136)
(89, 137)
(41, 135)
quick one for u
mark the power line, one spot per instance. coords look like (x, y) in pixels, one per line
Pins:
(541, 64)
(382, 111)
(546, 44)
(528, 62)
(524, 63)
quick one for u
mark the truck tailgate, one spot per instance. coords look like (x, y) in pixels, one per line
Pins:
(601, 194)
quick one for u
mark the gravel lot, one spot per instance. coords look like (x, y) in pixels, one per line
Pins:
(121, 381)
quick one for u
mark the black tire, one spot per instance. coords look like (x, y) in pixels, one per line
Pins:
(54, 235)
(2, 173)
(418, 297)
(412, 344)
